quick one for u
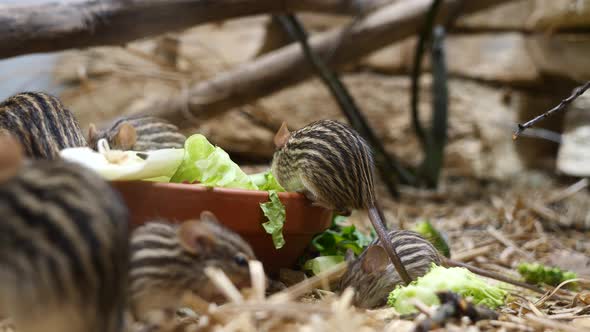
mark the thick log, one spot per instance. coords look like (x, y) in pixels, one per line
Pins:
(287, 66)
(59, 25)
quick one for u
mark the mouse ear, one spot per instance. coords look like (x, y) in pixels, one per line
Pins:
(195, 238)
(11, 155)
(282, 135)
(209, 216)
(126, 136)
(375, 259)
(92, 133)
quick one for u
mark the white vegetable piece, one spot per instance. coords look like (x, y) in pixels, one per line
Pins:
(126, 165)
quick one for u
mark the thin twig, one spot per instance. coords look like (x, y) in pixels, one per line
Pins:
(553, 324)
(308, 284)
(550, 295)
(561, 106)
(495, 276)
(472, 253)
(569, 191)
(422, 307)
(508, 243)
(511, 325)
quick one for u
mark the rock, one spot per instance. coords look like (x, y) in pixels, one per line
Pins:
(559, 14)
(574, 153)
(562, 54)
(235, 133)
(501, 57)
(531, 15)
(508, 16)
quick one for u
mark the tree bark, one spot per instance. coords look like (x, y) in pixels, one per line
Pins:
(287, 66)
(56, 26)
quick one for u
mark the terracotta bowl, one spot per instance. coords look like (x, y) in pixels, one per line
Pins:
(238, 209)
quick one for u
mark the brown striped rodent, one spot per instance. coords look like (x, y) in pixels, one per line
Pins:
(333, 166)
(41, 124)
(63, 245)
(373, 277)
(138, 133)
(169, 259)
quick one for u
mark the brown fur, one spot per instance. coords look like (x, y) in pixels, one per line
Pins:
(41, 124)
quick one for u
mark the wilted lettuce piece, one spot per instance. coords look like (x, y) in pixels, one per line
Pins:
(536, 273)
(456, 279)
(210, 165)
(266, 181)
(322, 263)
(274, 210)
(430, 233)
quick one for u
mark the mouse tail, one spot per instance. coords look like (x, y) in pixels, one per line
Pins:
(376, 217)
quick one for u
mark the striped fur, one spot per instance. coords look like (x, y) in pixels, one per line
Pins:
(162, 269)
(152, 134)
(330, 162)
(372, 288)
(41, 123)
(63, 249)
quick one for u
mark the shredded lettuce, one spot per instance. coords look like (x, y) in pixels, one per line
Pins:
(456, 279)
(210, 166)
(536, 273)
(266, 181)
(274, 210)
(322, 263)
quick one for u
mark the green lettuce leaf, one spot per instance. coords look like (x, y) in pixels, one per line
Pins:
(322, 263)
(274, 210)
(210, 165)
(535, 273)
(456, 279)
(430, 233)
(266, 181)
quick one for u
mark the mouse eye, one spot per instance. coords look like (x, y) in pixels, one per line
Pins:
(241, 259)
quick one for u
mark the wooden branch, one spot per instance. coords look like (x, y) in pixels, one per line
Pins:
(55, 26)
(287, 66)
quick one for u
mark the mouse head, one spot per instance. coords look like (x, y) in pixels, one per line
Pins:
(213, 245)
(122, 137)
(282, 136)
(368, 276)
(11, 156)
